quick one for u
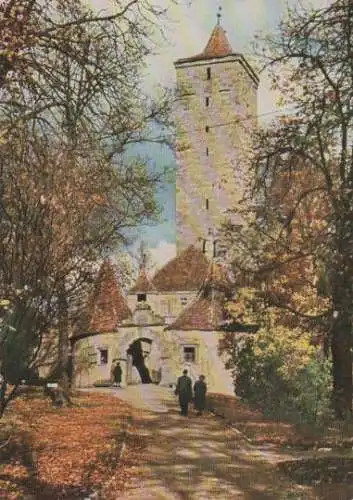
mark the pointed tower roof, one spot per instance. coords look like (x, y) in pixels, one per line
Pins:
(143, 283)
(108, 305)
(217, 45)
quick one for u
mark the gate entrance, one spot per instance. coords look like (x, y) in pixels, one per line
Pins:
(139, 351)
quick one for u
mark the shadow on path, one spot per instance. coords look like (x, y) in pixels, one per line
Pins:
(198, 458)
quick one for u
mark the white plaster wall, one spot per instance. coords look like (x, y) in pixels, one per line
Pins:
(168, 305)
(208, 361)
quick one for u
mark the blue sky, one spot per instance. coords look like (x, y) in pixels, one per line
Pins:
(185, 34)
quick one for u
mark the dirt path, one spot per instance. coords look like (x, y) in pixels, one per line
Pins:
(197, 458)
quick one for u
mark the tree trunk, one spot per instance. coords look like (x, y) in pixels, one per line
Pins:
(3, 386)
(63, 348)
(342, 367)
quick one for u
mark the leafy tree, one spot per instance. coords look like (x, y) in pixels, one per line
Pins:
(71, 103)
(297, 245)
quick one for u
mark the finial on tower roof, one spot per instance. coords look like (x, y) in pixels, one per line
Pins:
(219, 15)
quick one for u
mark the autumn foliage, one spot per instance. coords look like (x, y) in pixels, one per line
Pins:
(68, 453)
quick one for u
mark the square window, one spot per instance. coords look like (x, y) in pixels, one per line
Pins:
(103, 356)
(141, 297)
(189, 354)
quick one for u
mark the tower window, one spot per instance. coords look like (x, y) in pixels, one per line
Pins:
(207, 128)
(141, 297)
(208, 73)
(207, 101)
(207, 204)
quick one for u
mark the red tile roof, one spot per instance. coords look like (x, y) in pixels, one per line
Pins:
(207, 311)
(108, 304)
(203, 314)
(186, 272)
(143, 283)
(217, 46)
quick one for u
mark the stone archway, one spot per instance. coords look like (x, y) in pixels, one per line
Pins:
(138, 353)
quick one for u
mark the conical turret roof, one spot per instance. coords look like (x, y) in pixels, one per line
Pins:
(108, 306)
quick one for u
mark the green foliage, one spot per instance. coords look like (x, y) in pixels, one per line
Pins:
(281, 373)
(17, 347)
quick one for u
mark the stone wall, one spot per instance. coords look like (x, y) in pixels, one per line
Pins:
(213, 129)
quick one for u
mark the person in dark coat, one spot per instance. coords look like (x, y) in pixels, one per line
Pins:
(184, 391)
(200, 389)
(117, 373)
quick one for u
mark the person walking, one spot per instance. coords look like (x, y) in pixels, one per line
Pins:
(184, 391)
(200, 389)
(117, 373)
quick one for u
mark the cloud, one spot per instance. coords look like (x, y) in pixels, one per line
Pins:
(161, 254)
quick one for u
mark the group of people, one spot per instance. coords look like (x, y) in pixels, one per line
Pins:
(184, 389)
(185, 393)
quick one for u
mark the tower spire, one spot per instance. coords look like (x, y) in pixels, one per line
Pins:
(219, 15)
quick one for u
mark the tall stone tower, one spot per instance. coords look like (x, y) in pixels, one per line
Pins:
(216, 109)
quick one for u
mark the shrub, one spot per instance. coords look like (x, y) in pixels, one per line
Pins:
(280, 372)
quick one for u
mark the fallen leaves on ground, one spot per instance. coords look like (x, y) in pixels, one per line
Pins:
(68, 452)
(261, 430)
(321, 458)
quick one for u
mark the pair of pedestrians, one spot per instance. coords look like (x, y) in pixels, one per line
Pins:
(184, 391)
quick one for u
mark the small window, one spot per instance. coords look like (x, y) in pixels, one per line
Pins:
(103, 356)
(203, 246)
(215, 248)
(183, 301)
(206, 151)
(208, 73)
(207, 102)
(207, 204)
(141, 297)
(189, 354)
(207, 128)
